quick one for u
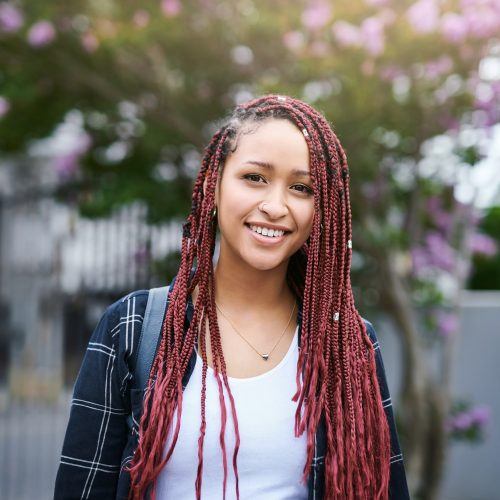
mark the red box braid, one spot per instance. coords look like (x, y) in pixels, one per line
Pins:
(336, 357)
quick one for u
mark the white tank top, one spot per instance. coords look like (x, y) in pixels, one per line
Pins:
(270, 458)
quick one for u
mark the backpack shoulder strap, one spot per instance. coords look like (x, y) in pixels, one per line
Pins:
(156, 308)
(150, 334)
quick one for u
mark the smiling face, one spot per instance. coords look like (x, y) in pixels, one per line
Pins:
(270, 167)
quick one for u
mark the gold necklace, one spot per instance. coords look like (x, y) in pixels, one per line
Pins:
(265, 357)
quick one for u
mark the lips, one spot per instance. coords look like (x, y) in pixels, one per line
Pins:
(266, 240)
(260, 224)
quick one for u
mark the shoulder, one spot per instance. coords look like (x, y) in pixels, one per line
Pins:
(121, 330)
(137, 298)
(370, 330)
(128, 308)
(127, 312)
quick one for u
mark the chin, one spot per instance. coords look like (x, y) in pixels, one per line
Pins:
(265, 262)
(265, 266)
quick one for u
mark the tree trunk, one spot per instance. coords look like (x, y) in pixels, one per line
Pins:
(412, 406)
(435, 444)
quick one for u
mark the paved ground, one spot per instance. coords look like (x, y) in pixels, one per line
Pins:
(31, 438)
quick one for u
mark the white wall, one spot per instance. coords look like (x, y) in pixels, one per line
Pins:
(473, 470)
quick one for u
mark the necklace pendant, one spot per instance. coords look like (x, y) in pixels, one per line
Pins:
(265, 357)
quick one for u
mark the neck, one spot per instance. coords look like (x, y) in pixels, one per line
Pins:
(259, 302)
(248, 288)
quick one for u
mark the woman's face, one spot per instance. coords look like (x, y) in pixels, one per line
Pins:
(284, 187)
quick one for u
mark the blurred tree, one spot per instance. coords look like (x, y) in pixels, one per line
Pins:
(405, 84)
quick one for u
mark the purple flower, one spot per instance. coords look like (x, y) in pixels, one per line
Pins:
(436, 253)
(293, 40)
(419, 260)
(390, 72)
(447, 323)
(347, 34)
(441, 253)
(449, 123)
(372, 31)
(453, 27)
(316, 14)
(4, 106)
(468, 418)
(462, 421)
(483, 244)
(66, 165)
(480, 415)
(438, 67)
(423, 16)
(370, 34)
(171, 8)
(482, 17)
(442, 219)
(89, 42)
(11, 18)
(477, 416)
(41, 33)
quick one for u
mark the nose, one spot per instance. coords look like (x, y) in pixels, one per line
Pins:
(274, 208)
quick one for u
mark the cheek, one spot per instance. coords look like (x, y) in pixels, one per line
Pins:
(234, 206)
(234, 199)
(307, 216)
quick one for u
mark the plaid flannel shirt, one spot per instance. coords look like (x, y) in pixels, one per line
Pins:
(98, 442)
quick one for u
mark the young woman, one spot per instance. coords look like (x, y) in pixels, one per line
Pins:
(262, 353)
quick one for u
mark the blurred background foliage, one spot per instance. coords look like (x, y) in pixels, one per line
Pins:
(136, 90)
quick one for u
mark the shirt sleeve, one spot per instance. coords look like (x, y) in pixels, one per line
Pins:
(398, 487)
(97, 430)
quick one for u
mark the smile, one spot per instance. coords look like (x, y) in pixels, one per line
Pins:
(266, 240)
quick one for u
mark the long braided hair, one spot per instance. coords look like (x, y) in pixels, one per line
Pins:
(336, 356)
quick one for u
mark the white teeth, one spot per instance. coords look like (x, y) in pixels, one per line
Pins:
(267, 232)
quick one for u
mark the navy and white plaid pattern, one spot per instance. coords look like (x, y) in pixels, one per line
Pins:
(98, 442)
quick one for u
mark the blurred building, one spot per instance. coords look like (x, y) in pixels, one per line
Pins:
(58, 272)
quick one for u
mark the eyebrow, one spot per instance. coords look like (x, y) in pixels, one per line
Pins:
(270, 166)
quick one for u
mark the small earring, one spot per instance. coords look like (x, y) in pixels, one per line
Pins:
(214, 212)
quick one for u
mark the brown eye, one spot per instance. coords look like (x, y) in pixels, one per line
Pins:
(306, 189)
(252, 175)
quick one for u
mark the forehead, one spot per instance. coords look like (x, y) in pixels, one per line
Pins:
(276, 141)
